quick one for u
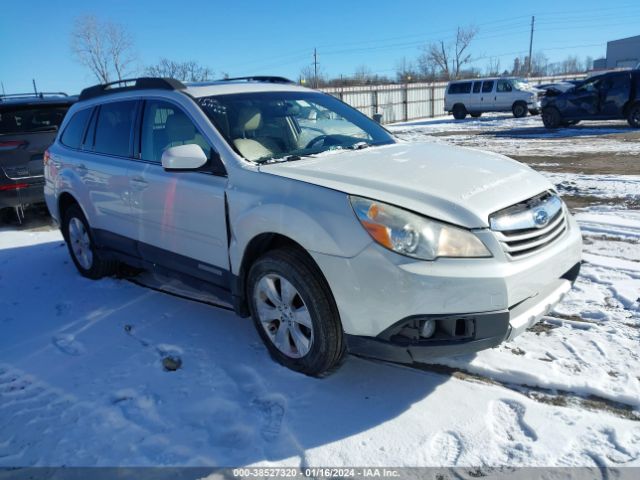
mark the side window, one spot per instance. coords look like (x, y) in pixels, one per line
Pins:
(503, 86)
(487, 86)
(164, 125)
(454, 88)
(74, 132)
(476, 87)
(465, 87)
(113, 128)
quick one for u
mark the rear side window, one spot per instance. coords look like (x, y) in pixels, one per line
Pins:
(487, 86)
(462, 87)
(74, 132)
(476, 87)
(113, 128)
(30, 119)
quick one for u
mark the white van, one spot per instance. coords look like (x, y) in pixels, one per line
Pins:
(474, 97)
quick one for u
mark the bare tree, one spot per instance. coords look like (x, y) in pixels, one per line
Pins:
(189, 71)
(493, 67)
(106, 48)
(406, 71)
(449, 58)
(307, 77)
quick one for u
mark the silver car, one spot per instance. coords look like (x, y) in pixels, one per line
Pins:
(311, 218)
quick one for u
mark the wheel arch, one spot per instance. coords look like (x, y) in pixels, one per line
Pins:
(256, 247)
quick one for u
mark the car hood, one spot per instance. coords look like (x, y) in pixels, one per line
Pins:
(458, 185)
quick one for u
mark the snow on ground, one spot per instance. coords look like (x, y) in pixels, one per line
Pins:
(82, 380)
(521, 136)
(82, 383)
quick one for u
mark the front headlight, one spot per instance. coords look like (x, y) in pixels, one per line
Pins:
(413, 235)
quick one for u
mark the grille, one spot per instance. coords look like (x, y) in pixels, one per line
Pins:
(529, 226)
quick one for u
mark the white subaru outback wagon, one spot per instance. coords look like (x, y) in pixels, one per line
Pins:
(311, 218)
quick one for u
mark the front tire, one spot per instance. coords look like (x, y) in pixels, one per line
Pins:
(551, 118)
(519, 109)
(294, 312)
(476, 115)
(82, 248)
(633, 117)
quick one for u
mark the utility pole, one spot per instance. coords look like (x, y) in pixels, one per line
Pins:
(2, 88)
(315, 68)
(35, 90)
(533, 21)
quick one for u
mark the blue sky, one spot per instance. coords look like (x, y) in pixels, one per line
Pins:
(244, 37)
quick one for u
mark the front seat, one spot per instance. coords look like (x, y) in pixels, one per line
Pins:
(251, 146)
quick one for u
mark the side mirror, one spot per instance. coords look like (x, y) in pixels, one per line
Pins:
(183, 157)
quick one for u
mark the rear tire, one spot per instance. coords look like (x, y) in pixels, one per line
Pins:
(551, 118)
(80, 241)
(519, 109)
(633, 116)
(459, 112)
(476, 115)
(295, 313)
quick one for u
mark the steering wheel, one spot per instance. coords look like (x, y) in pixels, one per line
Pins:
(317, 139)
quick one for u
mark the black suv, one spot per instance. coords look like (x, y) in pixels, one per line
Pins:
(28, 125)
(609, 96)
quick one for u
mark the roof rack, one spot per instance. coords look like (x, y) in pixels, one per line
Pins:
(142, 83)
(259, 78)
(13, 96)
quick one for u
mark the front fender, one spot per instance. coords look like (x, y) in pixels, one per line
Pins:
(319, 219)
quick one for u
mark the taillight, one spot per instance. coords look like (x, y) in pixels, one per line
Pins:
(11, 144)
(46, 157)
(13, 186)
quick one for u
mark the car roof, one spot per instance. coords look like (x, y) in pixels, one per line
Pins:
(206, 89)
(484, 78)
(35, 99)
(139, 86)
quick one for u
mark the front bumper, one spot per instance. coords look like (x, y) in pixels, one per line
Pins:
(489, 329)
(377, 289)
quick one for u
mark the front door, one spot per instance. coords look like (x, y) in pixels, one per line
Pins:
(181, 215)
(614, 94)
(503, 98)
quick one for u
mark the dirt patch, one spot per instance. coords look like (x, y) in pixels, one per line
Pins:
(587, 163)
(557, 398)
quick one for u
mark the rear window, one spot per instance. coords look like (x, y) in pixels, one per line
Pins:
(113, 128)
(462, 87)
(28, 119)
(74, 132)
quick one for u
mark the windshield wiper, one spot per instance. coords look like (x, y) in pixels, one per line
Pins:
(286, 158)
(360, 145)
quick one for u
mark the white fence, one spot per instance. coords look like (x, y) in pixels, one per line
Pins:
(402, 102)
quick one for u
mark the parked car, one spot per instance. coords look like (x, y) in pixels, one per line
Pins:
(609, 96)
(28, 125)
(331, 234)
(475, 97)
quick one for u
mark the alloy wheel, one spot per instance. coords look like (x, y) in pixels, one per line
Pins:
(80, 243)
(284, 315)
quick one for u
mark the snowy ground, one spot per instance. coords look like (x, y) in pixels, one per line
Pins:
(82, 380)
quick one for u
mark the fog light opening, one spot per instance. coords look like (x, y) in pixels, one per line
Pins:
(428, 329)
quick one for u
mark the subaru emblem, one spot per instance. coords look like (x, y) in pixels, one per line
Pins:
(540, 218)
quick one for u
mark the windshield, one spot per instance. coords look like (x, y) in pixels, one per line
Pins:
(521, 84)
(264, 126)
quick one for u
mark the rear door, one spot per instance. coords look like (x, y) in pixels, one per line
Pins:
(614, 94)
(181, 216)
(103, 168)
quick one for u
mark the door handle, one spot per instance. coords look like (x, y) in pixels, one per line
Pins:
(138, 183)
